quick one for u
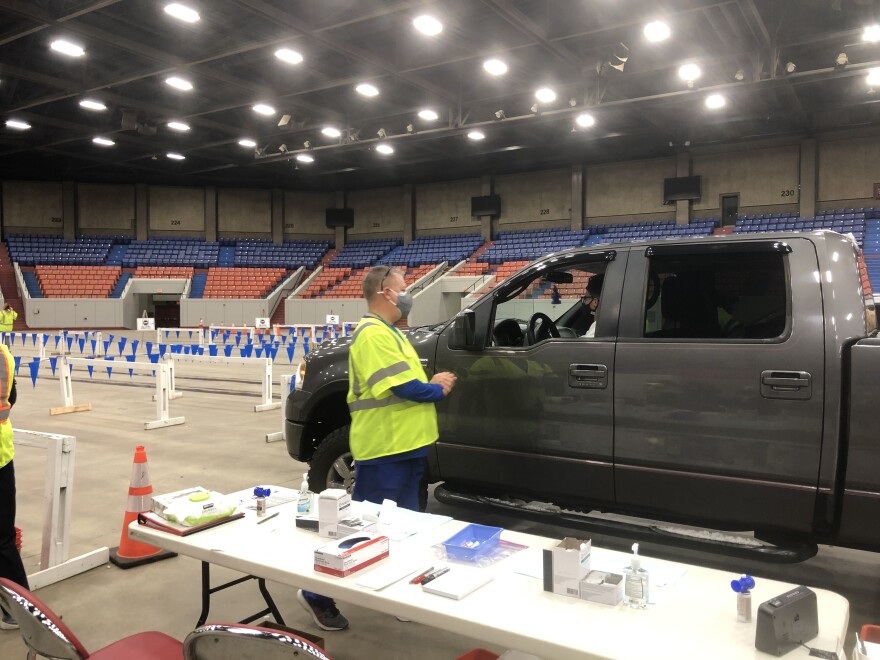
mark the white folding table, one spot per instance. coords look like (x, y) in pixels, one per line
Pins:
(695, 618)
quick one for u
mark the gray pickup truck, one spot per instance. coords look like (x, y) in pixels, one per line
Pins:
(730, 383)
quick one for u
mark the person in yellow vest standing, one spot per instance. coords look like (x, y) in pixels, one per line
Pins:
(7, 318)
(391, 401)
(10, 559)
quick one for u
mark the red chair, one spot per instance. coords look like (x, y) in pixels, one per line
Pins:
(236, 641)
(45, 634)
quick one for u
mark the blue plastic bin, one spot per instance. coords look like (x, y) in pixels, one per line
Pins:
(482, 538)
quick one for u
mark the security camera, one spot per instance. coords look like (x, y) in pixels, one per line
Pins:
(307, 144)
(499, 114)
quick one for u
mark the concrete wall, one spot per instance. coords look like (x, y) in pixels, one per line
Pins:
(32, 207)
(304, 214)
(440, 300)
(244, 213)
(175, 210)
(615, 192)
(762, 177)
(848, 170)
(105, 209)
(75, 313)
(376, 212)
(535, 197)
(317, 310)
(446, 207)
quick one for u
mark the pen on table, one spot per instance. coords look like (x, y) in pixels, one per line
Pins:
(422, 575)
(435, 575)
(260, 522)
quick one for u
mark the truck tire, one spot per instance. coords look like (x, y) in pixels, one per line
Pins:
(332, 465)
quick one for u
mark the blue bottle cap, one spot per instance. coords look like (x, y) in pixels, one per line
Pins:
(743, 584)
(259, 491)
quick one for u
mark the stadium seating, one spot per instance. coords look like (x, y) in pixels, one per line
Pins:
(241, 282)
(167, 272)
(30, 250)
(360, 254)
(433, 250)
(172, 252)
(77, 281)
(649, 230)
(843, 221)
(290, 254)
(530, 244)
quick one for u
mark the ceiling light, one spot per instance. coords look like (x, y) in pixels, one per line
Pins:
(17, 124)
(873, 79)
(790, 67)
(872, 33)
(331, 132)
(175, 156)
(545, 95)
(381, 133)
(739, 75)
(247, 142)
(385, 149)
(476, 135)
(182, 12)
(585, 120)
(264, 109)
(307, 144)
(428, 25)
(67, 48)
(656, 31)
(179, 83)
(91, 104)
(410, 129)
(305, 158)
(715, 101)
(842, 60)
(689, 72)
(428, 115)
(104, 142)
(288, 55)
(178, 126)
(534, 109)
(495, 67)
(366, 89)
(500, 114)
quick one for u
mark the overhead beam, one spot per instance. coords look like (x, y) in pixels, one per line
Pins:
(82, 11)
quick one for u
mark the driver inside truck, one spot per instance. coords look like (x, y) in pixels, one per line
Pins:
(591, 302)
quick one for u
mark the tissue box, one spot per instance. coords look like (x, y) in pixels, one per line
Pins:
(601, 587)
(565, 565)
(339, 559)
(334, 504)
(346, 527)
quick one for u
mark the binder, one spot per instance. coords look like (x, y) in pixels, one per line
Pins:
(155, 521)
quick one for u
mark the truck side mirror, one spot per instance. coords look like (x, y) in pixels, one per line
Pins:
(463, 327)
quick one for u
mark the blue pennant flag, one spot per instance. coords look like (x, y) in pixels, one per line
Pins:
(149, 346)
(111, 337)
(91, 368)
(163, 348)
(12, 338)
(212, 349)
(237, 338)
(154, 358)
(290, 349)
(190, 334)
(46, 340)
(94, 345)
(57, 339)
(305, 345)
(35, 369)
(17, 363)
(109, 370)
(178, 334)
(122, 342)
(107, 346)
(292, 385)
(34, 338)
(82, 344)
(186, 350)
(227, 350)
(257, 351)
(53, 363)
(130, 358)
(134, 346)
(69, 343)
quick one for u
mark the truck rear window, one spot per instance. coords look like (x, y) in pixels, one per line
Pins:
(720, 296)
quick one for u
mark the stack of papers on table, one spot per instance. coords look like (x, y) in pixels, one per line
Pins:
(457, 583)
(397, 523)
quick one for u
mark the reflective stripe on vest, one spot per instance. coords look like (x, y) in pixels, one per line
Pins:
(6, 376)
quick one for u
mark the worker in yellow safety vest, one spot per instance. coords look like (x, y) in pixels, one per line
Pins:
(7, 318)
(11, 566)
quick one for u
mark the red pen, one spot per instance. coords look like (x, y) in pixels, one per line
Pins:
(422, 575)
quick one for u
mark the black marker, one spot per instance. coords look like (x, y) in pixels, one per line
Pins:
(435, 575)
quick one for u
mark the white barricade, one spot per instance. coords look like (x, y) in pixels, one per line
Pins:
(87, 335)
(162, 396)
(287, 381)
(58, 494)
(267, 404)
(232, 329)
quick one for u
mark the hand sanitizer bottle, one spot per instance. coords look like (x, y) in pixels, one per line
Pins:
(304, 499)
(635, 586)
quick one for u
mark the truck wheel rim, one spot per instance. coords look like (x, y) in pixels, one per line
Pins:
(341, 472)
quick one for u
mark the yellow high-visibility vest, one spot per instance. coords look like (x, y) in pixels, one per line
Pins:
(7, 316)
(7, 373)
(382, 424)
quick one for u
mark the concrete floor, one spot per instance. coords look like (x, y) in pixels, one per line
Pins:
(222, 447)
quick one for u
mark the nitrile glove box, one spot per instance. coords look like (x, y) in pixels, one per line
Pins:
(565, 565)
(602, 587)
(351, 553)
(334, 504)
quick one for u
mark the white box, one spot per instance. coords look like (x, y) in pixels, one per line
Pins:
(602, 587)
(346, 528)
(334, 504)
(340, 560)
(565, 565)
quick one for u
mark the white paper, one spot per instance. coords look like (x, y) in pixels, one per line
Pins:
(383, 576)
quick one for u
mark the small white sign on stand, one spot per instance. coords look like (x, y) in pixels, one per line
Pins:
(145, 323)
(332, 319)
(261, 323)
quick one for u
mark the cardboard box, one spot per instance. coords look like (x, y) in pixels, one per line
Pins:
(340, 560)
(602, 587)
(346, 528)
(565, 565)
(334, 504)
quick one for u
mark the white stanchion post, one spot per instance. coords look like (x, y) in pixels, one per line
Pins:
(286, 380)
(64, 378)
(41, 343)
(58, 494)
(267, 404)
(99, 343)
(172, 381)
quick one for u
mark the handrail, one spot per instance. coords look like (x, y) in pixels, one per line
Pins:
(428, 278)
(304, 285)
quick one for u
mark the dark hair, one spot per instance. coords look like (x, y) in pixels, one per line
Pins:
(594, 286)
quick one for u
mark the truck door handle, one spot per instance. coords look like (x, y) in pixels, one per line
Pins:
(786, 384)
(588, 376)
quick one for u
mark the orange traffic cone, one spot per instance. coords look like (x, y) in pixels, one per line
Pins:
(140, 498)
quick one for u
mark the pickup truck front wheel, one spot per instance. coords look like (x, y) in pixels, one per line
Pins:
(332, 465)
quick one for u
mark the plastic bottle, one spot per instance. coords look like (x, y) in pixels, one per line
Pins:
(304, 500)
(261, 494)
(635, 586)
(743, 586)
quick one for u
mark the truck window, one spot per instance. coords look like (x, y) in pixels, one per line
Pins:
(718, 296)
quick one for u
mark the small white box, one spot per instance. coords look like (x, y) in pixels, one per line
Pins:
(602, 587)
(346, 528)
(334, 504)
(350, 554)
(565, 565)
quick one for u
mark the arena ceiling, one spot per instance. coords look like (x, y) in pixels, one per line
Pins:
(778, 65)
